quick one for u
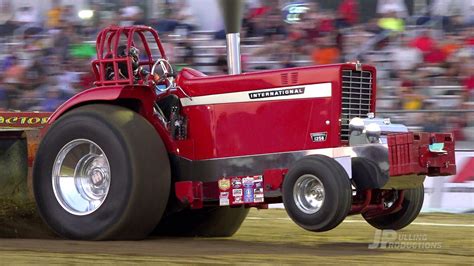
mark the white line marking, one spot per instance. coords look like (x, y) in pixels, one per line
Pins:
(354, 221)
(320, 90)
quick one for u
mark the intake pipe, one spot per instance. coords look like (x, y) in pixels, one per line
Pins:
(232, 11)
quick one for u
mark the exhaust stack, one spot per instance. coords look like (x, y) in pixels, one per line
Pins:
(232, 11)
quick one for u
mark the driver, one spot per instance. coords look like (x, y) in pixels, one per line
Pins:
(139, 73)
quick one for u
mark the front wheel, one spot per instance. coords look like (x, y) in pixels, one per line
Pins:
(101, 172)
(317, 193)
(411, 206)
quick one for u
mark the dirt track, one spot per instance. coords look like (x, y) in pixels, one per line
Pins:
(267, 237)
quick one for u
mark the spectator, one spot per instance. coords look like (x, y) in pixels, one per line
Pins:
(411, 100)
(54, 15)
(348, 12)
(185, 16)
(35, 74)
(390, 21)
(14, 73)
(69, 15)
(468, 82)
(25, 15)
(405, 57)
(6, 17)
(6, 13)
(130, 13)
(63, 40)
(274, 27)
(326, 52)
(390, 6)
(433, 122)
(52, 100)
(435, 56)
(450, 45)
(3, 97)
(423, 42)
(448, 11)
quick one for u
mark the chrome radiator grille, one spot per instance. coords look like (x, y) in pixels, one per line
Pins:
(356, 96)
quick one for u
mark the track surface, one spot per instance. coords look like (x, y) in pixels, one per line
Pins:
(266, 237)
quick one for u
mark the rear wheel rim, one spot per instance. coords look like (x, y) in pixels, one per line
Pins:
(81, 177)
(309, 194)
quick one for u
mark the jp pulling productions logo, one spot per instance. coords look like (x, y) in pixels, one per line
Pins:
(390, 239)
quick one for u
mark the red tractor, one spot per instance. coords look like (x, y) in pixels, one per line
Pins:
(150, 150)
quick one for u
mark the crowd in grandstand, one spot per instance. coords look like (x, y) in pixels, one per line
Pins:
(425, 60)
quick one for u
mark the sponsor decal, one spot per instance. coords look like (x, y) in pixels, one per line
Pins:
(259, 200)
(22, 120)
(258, 192)
(319, 136)
(237, 192)
(224, 184)
(276, 93)
(236, 182)
(247, 181)
(258, 181)
(258, 195)
(224, 199)
(248, 195)
(238, 200)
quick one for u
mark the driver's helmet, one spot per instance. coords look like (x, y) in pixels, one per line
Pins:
(134, 54)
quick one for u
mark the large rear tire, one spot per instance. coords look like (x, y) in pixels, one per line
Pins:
(101, 172)
(411, 206)
(207, 222)
(317, 193)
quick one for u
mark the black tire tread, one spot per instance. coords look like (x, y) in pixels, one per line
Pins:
(411, 207)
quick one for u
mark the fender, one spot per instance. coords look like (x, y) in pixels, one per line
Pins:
(119, 95)
(143, 94)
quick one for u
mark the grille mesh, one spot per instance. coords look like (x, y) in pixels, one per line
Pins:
(356, 95)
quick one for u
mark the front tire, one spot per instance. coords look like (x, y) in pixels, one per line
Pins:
(101, 172)
(317, 193)
(411, 207)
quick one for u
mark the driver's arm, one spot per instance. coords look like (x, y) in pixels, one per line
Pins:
(143, 74)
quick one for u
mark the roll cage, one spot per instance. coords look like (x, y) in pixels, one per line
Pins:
(108, 41)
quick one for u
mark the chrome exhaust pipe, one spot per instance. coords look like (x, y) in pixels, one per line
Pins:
(232, 11)
(233, 53)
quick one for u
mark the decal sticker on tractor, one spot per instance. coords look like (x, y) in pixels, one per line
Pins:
(258, 181)
(224, 199)
(237, 192)
(276, 93)
(319, 136)
(236, 182)
(248, 195)
(238, 200)
(247, 181)
(243, 190)
(258, 195)
(224, 184)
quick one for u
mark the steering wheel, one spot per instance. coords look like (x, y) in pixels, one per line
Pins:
(167, 76)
